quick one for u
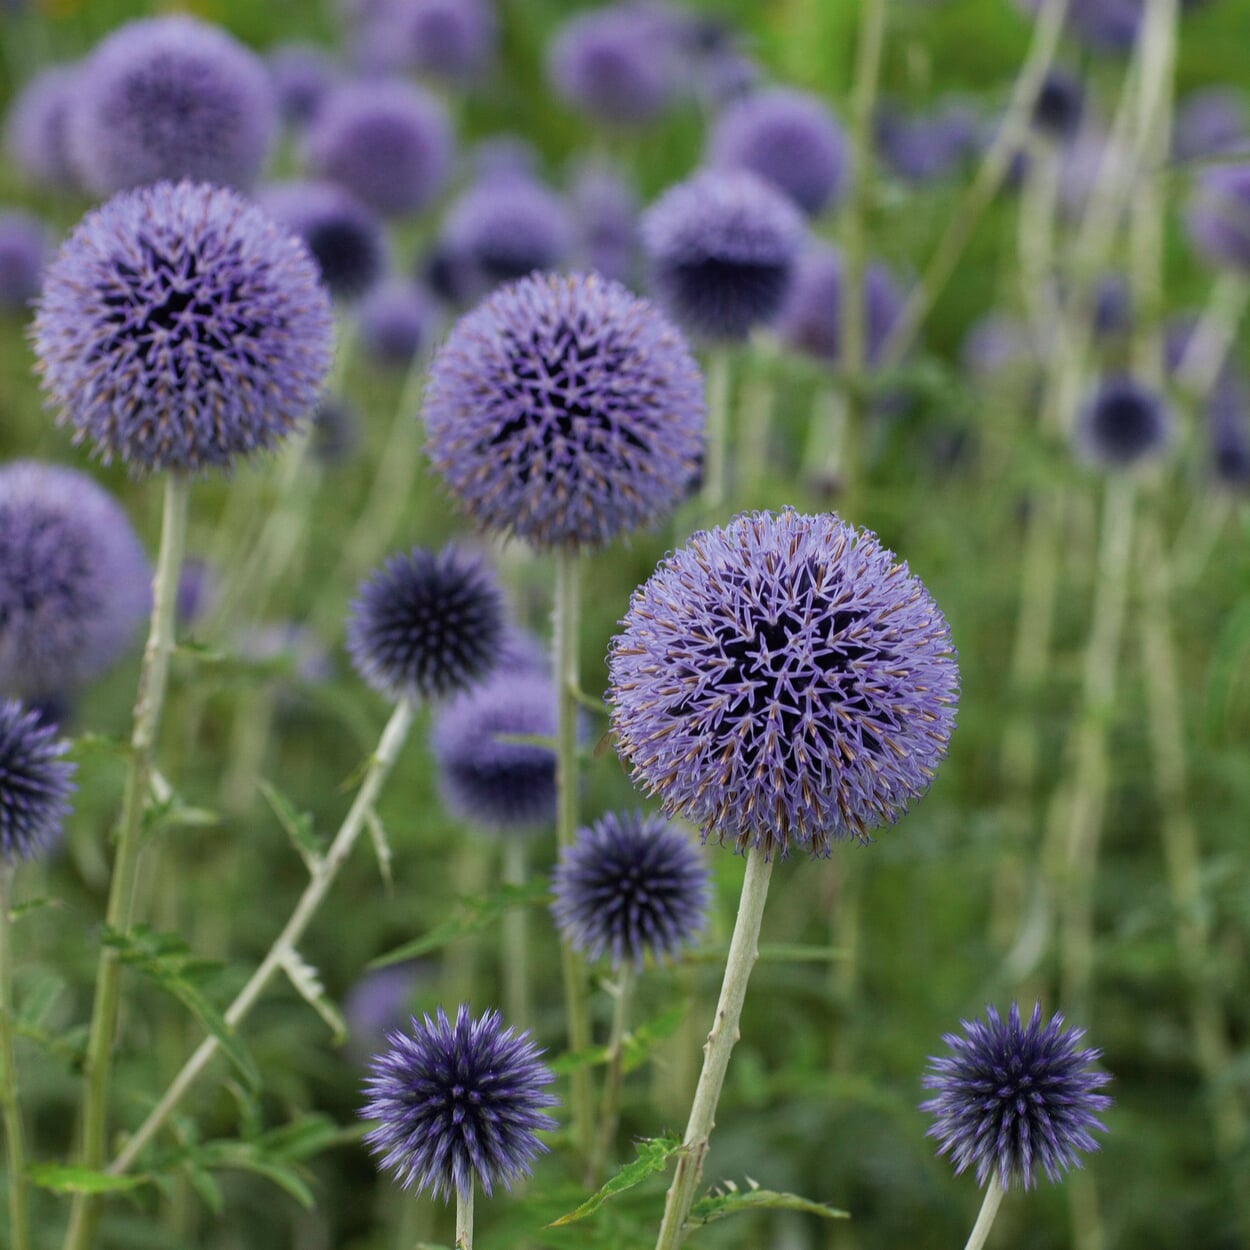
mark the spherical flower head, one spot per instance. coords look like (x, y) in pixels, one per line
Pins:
(1228, 431)
(35, 783)
(631, 885)
(449, 39)
(486, 779)
(606, 211)
(180, 327)
(37, 128)
(458, 1104)
(75, 583)
(788, 138)
(426, 624)
(1059, 104)
(1013, 1099)
(344, 236)
(302, 75)
(922, 149)
(1211, 122)
(614, 64)
(169, 98)
(395, 321)
(387, 142)
(1219, 217)
(1122, 423)
(23, 249)
(721, 248)
(564, 410)
(783, 682)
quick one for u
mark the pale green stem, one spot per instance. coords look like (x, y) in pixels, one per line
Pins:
(759, 393)
(610, 1106)
(716, 442)
(98, 1060)
(515, 954)
(15, 1140)
(985, 1217)
(568, 681)
(285, 945)
(743, 952)
(464, 1218)
(1213, 336)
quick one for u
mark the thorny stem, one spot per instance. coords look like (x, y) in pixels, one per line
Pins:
(15, 1141)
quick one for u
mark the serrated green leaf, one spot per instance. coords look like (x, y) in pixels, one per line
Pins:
(307, 982)
(63, 1179)
(653, 1156)
(298, 825)
(251, 1157)
(477, 915)
(732, 1201)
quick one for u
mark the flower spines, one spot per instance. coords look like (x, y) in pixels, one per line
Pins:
(35, 783)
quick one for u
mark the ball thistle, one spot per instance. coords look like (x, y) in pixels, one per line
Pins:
(36, 129)
(23, 251)
(1219, 217)
(395, 322)
(35, 783)
(180, 327)
(565, 411)
(1122, 423)
(783, 682)
(1013, 1099)
(458, 1104)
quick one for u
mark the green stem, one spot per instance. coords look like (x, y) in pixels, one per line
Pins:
(716, 443)
(985, 1218)
(98, 1061)
(284, 946)
(759, 394)
(1214, 335)
(516, 934)
(464, 1218)
(566, 613)
(743, 952)
(15, 1141)
(610, 1107)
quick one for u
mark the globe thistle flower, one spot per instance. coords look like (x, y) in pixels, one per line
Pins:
(783, 682)
(426, 625)
(788, 138)
(458, 1104)
(923, 149)
(1211, 122)
(302, 75)
(606, 212)
(75, 583)
(449, 39)
(1219, 217)
(169, 98)
(721, 249)
(180, 327)
(381, 1002)
(484, 779)
(612, 64)
(344, 236)
(36, 129)
(395, 322)
(564, 410)
(1059, 105)
(1015, 1099)
(23, 249)
(1122, 423)
(388, 143)
(35, 783)
(631, 885)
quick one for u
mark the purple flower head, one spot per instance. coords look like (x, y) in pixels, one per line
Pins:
(1059, 105)
(1219, 217)
(721, 248)
(74, 581)
(23, 250)
(783, 682)
(1122, 423)
(503, 156)
(1211, 122)
(631, 885)
(1112, 311)
(1105, 25)
(335, 432)
(485, 779)
(458, 1104)
(426, 625)
(302, 75)
(564, 410)
(387, 142)
(380, 1003)
(35, 783)
(997, 343)
(395, 322)
(788, 138)
(606, 211)
(1013, 1099)
(449, 39)
(170, 98)
(37, 128)
(923, 149)
(1228, 431)
(180, 327)
(614, 64)
(345, 238)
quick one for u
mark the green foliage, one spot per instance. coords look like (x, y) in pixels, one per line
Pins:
(653, 1156)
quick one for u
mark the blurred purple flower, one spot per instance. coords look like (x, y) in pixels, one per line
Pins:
(1122, 423)
(396, 321)
(449, 39)
(921, 149)
(37, 128)
(1228, 431)
(302, 75)
(605, 209)
(1219, 217)
(1211, 122)
(23, 252)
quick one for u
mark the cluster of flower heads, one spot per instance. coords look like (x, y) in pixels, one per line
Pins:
(783, 682)
(35, 783)
(180, 327)
(565, 411)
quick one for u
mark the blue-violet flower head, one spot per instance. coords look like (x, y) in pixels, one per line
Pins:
(36, 130)
(35, 783)
(1219, 217)
(1122, 423)
(23, 250)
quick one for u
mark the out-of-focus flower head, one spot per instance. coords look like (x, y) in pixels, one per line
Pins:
(1219, 217)
(302, 75)
(396, 321)
(1122, 423)
(23, 251)
(37, 128)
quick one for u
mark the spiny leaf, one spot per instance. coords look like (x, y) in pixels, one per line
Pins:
(307, 981)
(653, 1156)
(298, 825)
(730, 1200)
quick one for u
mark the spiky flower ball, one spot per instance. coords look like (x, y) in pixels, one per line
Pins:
(631, 885)
(565, 410)
(426, 624)
(35, 783)
(180, 327)
(1122, 423)
(1219, 217)
(1014, 1099)
(783, 682)
(169, 98)
(458, 1104)
(486, 777)
(721, 248)
(74, 580)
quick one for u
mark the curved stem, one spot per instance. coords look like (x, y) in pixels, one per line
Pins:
(285, 944)
(98, 1061)
(15, 1140)
(743, 952)
(985, 1217)
(610, 1107)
